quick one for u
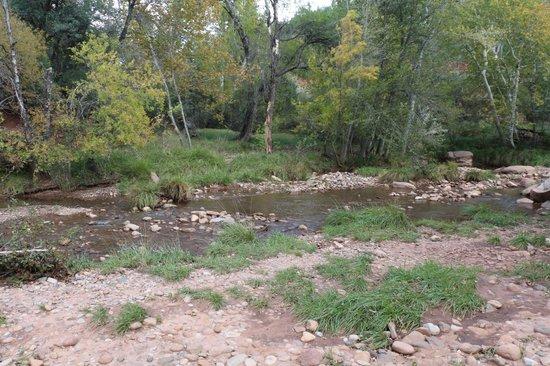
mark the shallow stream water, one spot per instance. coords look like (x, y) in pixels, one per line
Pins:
(104, 234)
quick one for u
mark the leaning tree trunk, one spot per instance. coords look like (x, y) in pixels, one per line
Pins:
(181, 110)
(156, 62)
(127, 21)
(16, 80)
(490, 94)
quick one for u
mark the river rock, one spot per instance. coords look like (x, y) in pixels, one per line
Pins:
(393, 330)
(311, 357)
(462, 158)
(541, 193)
(237, 360)
(416, 339)
(516, 169)
(312, 325)
(155, 228)
(307, 337)
(509, 351)
(542, 328)
(403, 186)
(131, 227)
(105, 359)
(469, 348)
(526, 202)
(402, 348)
(35, 362)
(527, 182)
(70, 341)
(527, 191)
(154, 177)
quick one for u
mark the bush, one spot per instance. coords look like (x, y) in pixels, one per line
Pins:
(142, 193)
(175, 188)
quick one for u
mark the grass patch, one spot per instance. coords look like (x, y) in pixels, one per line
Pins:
(462, 228)
(3, 319)
(494, 240)
(485, 215)
(523, 240)
(79, 263)
(239, 293)
(373, 223)
(432, 172)
(534, 271)
(371, 171)
(130, 313)
(237, 246)
(169, 263)
(349, 272)
(479, 175)
(402, 297)
(255, 282)
(214, 298)
(100, 316)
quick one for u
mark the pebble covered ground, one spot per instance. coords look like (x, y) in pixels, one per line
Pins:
(47, 323)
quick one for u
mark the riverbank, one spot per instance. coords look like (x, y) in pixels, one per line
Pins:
(51, 322)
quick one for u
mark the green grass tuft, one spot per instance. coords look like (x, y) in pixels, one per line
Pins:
(214, 298)
(494, 239)
(373, 223)
(371, 171)
(239, 293)
(130, 313)
(349, 272)
(523, 240)
(478, 175)
(100, 316)
(3, 319)
(534, 271)
(402, 297)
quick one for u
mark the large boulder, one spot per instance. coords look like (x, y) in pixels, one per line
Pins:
(541, 193)
(462, 158)
(516, 169)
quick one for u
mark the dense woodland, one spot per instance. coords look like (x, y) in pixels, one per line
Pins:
(85, 84)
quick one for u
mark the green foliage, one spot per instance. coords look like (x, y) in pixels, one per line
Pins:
(349, 272)
(373, 223)
(523, 240)
(129, 313)
(534, 271)
(485, 215)
(214, 298)
(79, 263)
(29, 265)
(401, 297)
(3, 320)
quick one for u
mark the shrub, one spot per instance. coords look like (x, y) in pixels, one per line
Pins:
(142, 193)
(175, 188)
(30, 265)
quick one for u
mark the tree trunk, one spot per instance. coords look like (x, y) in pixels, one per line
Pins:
(156, 62)
(16, 80)
(513, 98)
(251, 115)
(273, 29)
(128, 20)
(490, 94)
(181, 109)
(48, 105)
